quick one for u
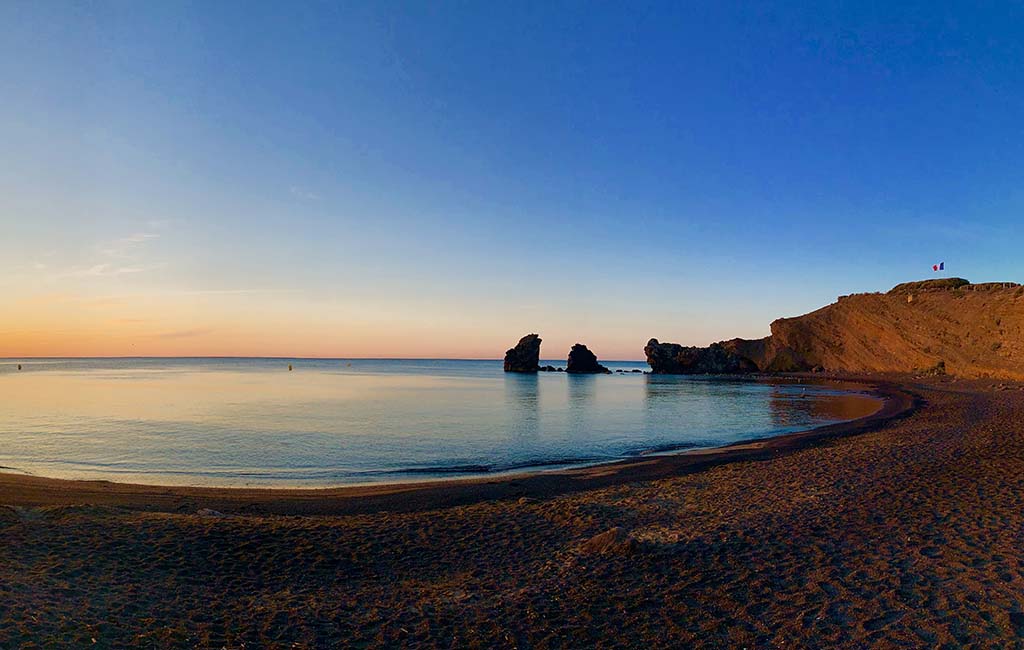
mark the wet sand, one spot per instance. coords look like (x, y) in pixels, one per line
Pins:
(900, 529)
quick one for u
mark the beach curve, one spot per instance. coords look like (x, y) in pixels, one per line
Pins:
(24, 490)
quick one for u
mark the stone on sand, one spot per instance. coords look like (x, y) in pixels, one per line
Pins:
(612, 541)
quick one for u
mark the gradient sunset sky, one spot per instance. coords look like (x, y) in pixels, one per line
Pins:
(437, 179)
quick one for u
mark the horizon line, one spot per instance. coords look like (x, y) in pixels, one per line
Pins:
(300, 358)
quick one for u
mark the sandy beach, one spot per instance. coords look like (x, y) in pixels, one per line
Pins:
(511, 326)
(900, 529)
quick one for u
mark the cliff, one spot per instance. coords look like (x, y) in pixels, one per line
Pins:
(949, 325)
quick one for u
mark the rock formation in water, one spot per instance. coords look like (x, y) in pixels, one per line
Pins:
(934, 326)
(583, 361)
(525, 357)
(675, 359)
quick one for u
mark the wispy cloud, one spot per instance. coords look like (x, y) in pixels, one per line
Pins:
(185, 334)
(127, 247)
(123, 256)
(99, 302)
(222, 292)
(303, 193)
(102, 270)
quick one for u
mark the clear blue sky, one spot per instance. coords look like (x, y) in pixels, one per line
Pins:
(437, 179)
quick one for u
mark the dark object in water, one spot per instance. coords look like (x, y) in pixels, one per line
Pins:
(675, 359)
(289, 367)
(525, 357)
(19, 366)
(583, 361)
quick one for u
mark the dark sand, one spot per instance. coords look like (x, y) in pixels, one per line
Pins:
(903, 529)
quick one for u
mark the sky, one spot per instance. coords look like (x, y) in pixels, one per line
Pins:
(415, 179)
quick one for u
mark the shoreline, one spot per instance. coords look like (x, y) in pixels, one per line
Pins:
(898, 529)
(22, 490)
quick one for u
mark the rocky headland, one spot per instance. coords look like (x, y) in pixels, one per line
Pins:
(675, 359)
(927, 327)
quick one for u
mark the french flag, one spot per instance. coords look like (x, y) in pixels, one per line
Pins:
(941, 266)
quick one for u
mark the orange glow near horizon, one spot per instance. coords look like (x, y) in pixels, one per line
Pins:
(66, 326)
(105, 342)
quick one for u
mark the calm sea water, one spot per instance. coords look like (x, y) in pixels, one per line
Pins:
(237, 422)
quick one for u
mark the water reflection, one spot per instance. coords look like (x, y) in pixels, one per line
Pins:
(581, 391)
(580, 395)
(522, 393)
(251, 422)
(684, 411)
(522, 406)
(522, 396)
(719, 407)
(791, 405)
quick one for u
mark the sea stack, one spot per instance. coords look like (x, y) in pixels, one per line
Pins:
(525, 357)
(583, 361)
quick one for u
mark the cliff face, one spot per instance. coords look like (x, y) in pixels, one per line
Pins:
(973, 330)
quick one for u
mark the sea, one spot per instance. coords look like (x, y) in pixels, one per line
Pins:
(332, 422)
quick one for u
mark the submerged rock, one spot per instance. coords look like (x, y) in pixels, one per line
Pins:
(675, 359)
(583, 361)
(525, 357)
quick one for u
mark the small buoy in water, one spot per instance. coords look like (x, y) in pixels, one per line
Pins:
(19, 366)
(289, 367)
(348, 365)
